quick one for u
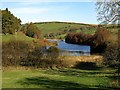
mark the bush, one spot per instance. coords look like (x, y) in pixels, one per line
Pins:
(53, 51)
(19, 53)
(111, 56)
(33, 58)
(77, 38)
(13, 52)
(42, 58)
(98, 41)
(10, 23)
(31, 30)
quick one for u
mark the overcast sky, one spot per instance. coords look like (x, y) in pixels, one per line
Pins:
(82, 12)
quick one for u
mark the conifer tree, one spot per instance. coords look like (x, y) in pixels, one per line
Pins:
(10, 23)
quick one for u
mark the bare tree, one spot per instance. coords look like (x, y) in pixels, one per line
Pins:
(108, 11)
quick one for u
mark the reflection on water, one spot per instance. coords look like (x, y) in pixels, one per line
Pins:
(74, 53)
(73, 49)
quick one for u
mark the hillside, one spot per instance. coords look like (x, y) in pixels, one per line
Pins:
(19, 36)
(60, 29)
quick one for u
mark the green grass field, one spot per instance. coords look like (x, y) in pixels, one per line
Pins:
(18, 36)
(68, 79)
(59, 27)
(54, 27)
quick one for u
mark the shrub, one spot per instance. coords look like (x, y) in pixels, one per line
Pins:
(31, 30)
(13, 52)
(42, 58)
(10, 23)
(33, 58)
(111, 56)
(19, 53)
(98, 41)
(53, 49)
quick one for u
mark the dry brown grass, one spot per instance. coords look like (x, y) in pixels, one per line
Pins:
(70, 61)
(44, 42)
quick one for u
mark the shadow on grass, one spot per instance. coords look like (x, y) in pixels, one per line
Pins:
(87, 66)
(79, 72)
(115, 81)
(57, 84)
(80, 69)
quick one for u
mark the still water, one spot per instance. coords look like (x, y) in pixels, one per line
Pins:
(72, 49)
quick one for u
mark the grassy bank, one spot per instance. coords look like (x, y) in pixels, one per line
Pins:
(60, 78)
(19, 36)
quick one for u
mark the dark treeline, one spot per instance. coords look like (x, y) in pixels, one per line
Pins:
(98, 41)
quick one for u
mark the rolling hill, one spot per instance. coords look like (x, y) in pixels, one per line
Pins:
(60, 29)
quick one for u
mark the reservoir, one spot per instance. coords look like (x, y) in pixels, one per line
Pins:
(73, 49)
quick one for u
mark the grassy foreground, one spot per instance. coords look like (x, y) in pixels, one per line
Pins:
(60, 79)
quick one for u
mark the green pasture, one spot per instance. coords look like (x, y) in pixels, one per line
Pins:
(18, 36)
(63, 79)
(57, 27)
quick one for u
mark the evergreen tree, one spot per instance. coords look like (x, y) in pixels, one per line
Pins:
(10, 23)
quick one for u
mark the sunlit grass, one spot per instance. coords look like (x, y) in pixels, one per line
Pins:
(18, 36)
(53, 27)
(58, 78)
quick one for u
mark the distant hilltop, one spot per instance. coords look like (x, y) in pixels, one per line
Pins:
(64, 22)
(56, 29)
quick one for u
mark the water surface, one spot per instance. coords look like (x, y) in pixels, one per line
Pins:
(73, 49)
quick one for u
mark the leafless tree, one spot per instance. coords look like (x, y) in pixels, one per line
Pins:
(108, 11)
